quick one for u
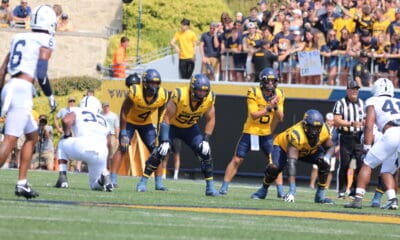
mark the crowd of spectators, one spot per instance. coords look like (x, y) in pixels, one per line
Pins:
(356, 39)
(19, 16)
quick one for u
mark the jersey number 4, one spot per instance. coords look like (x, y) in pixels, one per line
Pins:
(390, 106)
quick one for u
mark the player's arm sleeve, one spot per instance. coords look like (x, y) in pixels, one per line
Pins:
(41, 71)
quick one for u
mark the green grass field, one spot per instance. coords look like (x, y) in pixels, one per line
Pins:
(183, 212)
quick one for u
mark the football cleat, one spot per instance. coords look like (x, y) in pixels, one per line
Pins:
(105, 181)
(375, 205)
(62, 181)
(356, 203)
(224, 188)
(320, 197)
(289, 198)
(376, 200)
(25, 191)
(341, 196)
(212, 193)
(161, 188)
(260, 194)
(141, 187)
(391, 204)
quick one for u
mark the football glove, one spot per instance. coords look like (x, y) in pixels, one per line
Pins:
(52, 103)
(205, 147)
(163, 149)
(123, 141)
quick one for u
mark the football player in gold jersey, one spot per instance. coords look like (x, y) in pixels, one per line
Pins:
(143, 100)
(308, 140)
(186, 106)
(265, 110)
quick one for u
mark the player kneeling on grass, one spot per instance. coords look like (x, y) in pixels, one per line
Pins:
(308, 140)
(89, 144)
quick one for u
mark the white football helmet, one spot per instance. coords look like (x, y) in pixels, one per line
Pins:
(90, 102)
(383, 86)
(44, 18)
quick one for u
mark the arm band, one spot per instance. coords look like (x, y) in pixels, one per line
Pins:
(291, 166)
(41, 68)
(206, 137)
(164, 132)
(41, 73)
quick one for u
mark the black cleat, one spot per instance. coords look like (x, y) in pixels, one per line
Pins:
(356, 203)
(105, 181)
(25, 191)
(62, 181)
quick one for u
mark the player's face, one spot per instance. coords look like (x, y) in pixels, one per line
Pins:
(200, 93)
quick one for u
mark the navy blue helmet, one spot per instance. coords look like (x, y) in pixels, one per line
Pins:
(266, 75)
(312, 123)
(132, 79)
(199, 86)
(151, 81)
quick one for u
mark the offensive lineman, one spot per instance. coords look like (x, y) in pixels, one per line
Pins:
(27, 60)
(136, 111)
(89, 144)
(382, 110)
(186, 106)
(265, 110)
(308, 140)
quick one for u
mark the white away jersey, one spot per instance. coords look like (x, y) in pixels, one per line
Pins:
(88, 123)
(24, 51)
(386, 109)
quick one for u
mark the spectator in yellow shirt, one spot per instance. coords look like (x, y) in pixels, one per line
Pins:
(184, 43)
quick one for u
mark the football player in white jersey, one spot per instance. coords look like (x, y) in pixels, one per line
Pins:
(384, 111)
(89, 144)
(26, 61)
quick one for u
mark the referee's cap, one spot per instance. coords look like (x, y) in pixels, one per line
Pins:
(352, 84)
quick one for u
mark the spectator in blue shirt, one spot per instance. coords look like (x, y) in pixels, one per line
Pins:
(21, 14)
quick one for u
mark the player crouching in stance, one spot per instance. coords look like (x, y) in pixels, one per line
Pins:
(382, 110)
(184, 109)
(89, 144)
(309, 140)
(27, 60)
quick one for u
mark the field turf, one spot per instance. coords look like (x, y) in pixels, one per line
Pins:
(183, 212)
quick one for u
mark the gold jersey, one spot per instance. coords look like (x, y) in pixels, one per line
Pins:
(185, 116)
(296, 136)
(256, 102)
(141, 111)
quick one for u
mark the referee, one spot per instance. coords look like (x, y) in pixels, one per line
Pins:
(348, 118)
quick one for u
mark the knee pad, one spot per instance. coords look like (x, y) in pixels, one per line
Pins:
(271, 173)
(206, 166)
(152, 164)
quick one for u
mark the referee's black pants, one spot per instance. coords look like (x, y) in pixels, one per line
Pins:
(350, 147)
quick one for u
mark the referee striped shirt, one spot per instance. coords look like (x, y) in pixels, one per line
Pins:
(352, 112)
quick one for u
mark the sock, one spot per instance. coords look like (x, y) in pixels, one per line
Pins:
(292, 188)
(144, 179)
(62, 167)
(114, 178)
(390, 194)
(210, 183)
(360, 192)
(22, 182)
(158, 180)
(279, 189)
(377, 196)
(176, 173)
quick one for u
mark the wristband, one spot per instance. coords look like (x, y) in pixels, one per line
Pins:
(367, 147)
(351, 124)
(276, 108)
(268, 109)
(206, 137)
